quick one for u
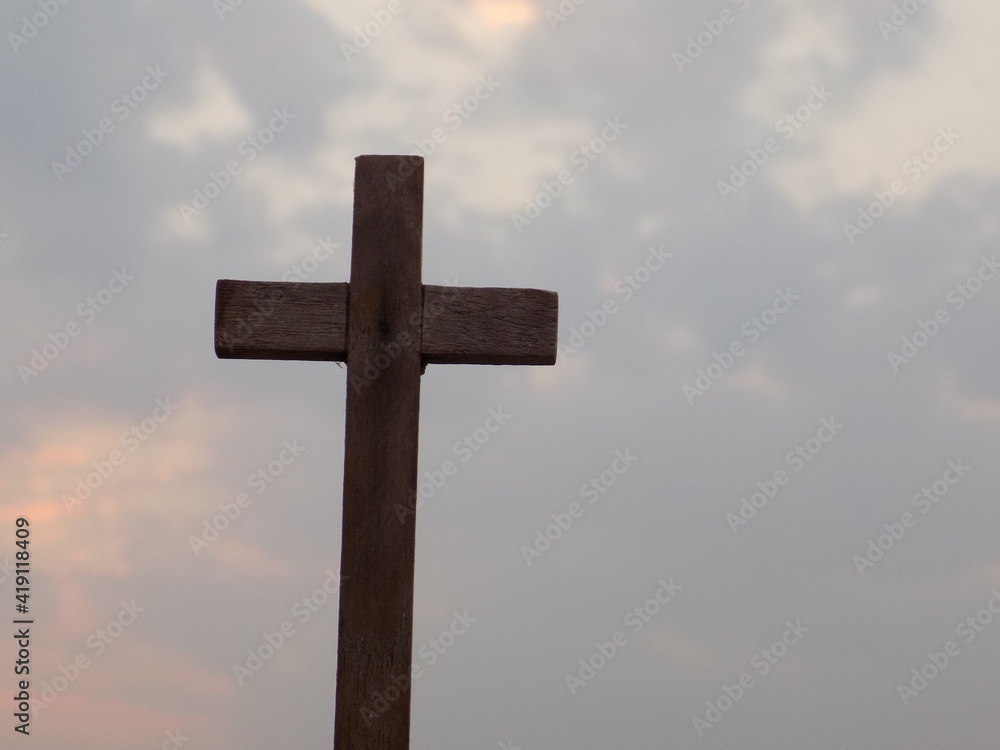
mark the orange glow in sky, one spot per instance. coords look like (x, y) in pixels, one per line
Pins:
(506, 12)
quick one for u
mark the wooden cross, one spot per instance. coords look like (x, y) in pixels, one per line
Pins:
(387, 326)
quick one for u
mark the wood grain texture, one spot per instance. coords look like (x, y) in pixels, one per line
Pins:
(461, 325)
(489, 326)
(386, 325)
(374, 653)
(280, 320)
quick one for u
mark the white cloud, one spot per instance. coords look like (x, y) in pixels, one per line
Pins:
(966, 407)
(865, 296)
(812, 42)
(678, 338)
(214, 113)
(864, 145)
(490, 170)
(758, 381)
(421, 80)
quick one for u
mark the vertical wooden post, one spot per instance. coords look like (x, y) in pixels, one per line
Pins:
(377, 325)
(380, 464)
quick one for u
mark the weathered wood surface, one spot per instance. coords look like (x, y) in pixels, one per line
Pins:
(461, 325)
(386, 325)
(280, 320)
(380, 460)
(489, 326)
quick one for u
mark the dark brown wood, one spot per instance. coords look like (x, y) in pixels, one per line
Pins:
(489, 326)
(386, 325)
(380, 461)
(280, 320)
(461, 325)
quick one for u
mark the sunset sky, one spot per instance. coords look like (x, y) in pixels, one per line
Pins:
(752, 506)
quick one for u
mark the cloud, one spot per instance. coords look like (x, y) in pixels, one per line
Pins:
(248, 560)
(428, 66)
(69, 456)
(966, 407)
(214, 113)
(868, 135)
(757, 380)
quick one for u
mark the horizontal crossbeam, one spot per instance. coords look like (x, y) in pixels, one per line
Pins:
(461, 325)
(280, 320)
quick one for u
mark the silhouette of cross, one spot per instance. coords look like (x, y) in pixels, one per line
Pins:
(387, 326)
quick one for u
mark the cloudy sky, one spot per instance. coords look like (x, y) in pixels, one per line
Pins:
(753, 504)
